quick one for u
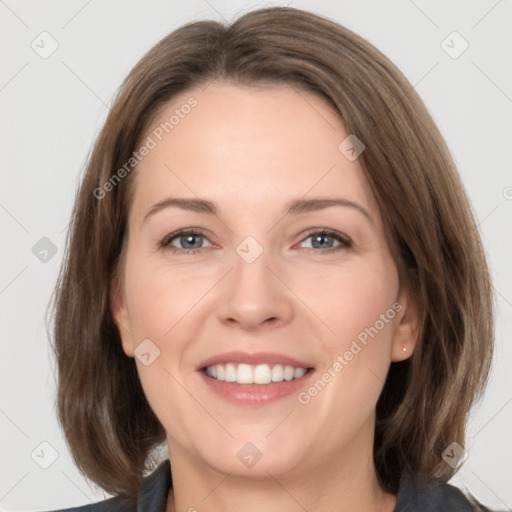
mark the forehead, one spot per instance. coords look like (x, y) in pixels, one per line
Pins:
(247, 147)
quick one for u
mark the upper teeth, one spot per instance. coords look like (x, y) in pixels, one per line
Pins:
(259, 374)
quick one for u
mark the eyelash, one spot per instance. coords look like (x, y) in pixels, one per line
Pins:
(345, 242)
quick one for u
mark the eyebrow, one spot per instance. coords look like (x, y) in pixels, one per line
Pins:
(294, 207)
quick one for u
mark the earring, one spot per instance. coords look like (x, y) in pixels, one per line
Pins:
(404, 349)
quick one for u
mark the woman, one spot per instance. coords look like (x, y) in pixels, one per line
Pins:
(272, 267)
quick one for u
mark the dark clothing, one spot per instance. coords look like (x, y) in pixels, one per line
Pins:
(155, 488)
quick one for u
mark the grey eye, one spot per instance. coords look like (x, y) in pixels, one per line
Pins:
(190, 241)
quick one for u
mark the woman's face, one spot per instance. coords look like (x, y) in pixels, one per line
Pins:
(285, 264)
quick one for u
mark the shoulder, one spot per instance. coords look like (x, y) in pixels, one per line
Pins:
(152, 495)
(112, 504)
(434, 497)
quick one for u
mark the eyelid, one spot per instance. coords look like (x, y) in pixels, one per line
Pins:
(165, 243)
(345, 241)
(326, 231)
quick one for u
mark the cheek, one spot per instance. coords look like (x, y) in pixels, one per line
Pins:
(354, 298)
(160, 297)
(163, 303)
(358, 306)
(160, 301)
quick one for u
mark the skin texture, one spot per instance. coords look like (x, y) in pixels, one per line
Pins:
(252, 150)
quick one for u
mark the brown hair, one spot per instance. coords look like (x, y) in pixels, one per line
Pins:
(109, 426)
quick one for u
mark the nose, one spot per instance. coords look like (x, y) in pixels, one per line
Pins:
(254, 295)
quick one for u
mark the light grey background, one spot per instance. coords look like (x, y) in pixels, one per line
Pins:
(52, 109)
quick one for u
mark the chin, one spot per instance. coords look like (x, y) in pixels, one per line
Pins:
(255, 456)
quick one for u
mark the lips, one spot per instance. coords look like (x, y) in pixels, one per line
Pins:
(242, 390)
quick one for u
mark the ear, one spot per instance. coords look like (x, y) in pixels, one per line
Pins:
(121, 317)
(406, 326)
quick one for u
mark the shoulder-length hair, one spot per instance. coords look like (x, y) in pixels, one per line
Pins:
(109, 425)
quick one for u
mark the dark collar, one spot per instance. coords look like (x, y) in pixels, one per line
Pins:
(434, 496)
(155, 489)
